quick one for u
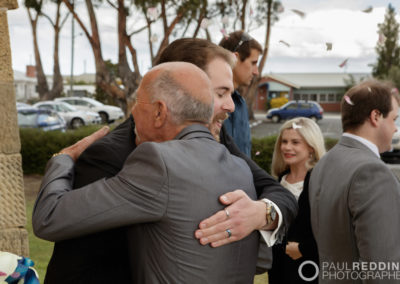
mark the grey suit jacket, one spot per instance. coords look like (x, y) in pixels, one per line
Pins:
(355, 213)
(167, 188)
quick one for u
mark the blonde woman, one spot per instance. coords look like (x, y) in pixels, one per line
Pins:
(299, 147)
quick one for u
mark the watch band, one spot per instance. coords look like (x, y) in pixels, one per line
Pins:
(271, 212)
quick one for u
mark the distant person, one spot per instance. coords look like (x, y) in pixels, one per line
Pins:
(299, 147)
(246, 50)
(166, 189)
(354, 196)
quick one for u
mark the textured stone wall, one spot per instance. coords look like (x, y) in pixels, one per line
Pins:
(13, 236)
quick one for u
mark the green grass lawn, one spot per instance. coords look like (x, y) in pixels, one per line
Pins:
(40, 250)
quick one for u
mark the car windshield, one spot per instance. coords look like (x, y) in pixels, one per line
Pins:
(27, 118)
(94, 102)
(288, 103)
(65, 107)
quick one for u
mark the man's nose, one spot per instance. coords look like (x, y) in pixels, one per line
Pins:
(228, 105)
(255, 70)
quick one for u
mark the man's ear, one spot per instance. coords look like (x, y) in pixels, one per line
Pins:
(160, 114)
(237, 56)
(375, 117)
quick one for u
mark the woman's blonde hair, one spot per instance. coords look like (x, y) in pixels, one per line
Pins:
(310, 132)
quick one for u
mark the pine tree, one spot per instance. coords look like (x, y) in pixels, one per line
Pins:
(387, 47)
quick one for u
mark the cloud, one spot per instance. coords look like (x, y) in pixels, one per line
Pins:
(341, 22)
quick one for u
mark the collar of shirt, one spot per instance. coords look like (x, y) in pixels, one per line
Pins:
(364, 141)
(237, 98)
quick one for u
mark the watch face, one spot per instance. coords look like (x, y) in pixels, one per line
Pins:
(273, 213)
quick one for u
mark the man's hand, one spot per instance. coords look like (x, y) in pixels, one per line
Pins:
(74, 151)
(245, 216)
(292, 250)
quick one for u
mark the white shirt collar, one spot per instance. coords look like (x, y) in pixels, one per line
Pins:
(364, 141)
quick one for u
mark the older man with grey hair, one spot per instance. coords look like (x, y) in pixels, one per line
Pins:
(166, 188)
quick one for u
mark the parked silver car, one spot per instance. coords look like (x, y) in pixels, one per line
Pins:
(107, 113)
(47, 120)
(74, 118)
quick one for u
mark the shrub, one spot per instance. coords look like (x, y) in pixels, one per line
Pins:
(278, 102)
(261, 151)
(38, 146)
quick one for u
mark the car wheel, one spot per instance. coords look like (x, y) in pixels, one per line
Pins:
(314, 118)
(276, 118)
(76, 123)
(104, 117)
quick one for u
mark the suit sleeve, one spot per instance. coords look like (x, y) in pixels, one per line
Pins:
(137, 194)
(266, 186)
(373, 201)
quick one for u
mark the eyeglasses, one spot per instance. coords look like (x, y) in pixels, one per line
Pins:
(245, 37)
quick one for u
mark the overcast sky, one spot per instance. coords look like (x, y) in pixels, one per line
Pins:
(352, 32)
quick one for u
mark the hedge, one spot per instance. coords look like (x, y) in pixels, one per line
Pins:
(38, 146)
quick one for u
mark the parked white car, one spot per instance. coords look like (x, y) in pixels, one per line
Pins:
(74, 117)
(107, 113)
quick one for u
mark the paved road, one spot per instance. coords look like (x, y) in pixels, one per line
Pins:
(330, 126)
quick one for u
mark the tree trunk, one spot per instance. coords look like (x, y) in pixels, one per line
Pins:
(171, 27)
(42, 87)
(253, 88)
(243, 15)
(58, 84)
(125, 73)
(202, 15)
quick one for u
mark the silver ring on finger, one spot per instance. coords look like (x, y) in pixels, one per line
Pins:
(227, 213)
(229, 233)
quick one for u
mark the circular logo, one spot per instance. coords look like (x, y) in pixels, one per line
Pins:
(301, 272)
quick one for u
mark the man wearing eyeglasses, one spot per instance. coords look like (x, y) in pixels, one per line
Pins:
(247, 51)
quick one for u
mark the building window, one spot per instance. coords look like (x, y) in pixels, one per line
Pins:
(339, 97)
(304, 97)
(313, 97)
(296, 97)
(331, 97)
(322, 97)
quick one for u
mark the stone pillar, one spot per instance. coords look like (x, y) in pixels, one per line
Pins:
(13, 235)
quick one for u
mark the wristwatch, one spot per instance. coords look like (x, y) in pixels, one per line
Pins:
(271, 211)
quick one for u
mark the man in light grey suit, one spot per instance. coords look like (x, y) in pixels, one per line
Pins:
(354, 197)
(165, 188)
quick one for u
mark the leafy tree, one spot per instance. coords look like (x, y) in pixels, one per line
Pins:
(388, 49)
(172, 14)
(394, 76)
(35, 11)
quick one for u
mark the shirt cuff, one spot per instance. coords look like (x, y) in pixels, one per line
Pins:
(270, 236)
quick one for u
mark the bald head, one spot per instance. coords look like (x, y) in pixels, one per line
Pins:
(185, 89)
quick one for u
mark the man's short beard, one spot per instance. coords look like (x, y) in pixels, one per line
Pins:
(216, 132)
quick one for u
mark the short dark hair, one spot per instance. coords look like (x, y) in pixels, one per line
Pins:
(197, 51)
(240, 42)
(358, 102)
